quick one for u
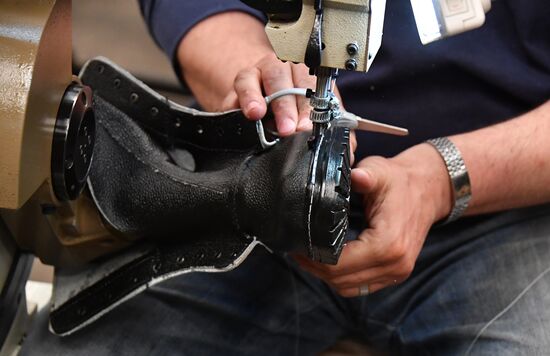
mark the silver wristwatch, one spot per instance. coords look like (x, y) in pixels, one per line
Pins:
(460, 180)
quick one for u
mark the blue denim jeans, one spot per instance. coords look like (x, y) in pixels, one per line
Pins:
(481, 286)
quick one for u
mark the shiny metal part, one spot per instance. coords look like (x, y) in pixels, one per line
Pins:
(261, 135)
(352, 48)
(323, 85)
(339, 117)
(351, 64)
(317, 102)
(322, 110)
(320, 117)
(458, 173)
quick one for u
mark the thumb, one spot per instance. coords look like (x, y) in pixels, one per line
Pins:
(370, 176)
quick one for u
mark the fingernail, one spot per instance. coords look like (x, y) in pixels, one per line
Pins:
(253, 110)
(360, 174)
(287, 126)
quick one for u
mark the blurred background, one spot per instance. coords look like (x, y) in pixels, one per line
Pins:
(115, 29)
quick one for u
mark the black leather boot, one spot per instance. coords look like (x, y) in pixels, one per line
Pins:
(166, 172)
(203, 184)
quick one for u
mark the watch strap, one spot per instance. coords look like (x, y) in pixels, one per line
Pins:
(458, 174)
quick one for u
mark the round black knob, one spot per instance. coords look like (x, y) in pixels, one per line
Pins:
(73, 142)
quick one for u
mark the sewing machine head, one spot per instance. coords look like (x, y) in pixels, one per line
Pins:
(345, 34)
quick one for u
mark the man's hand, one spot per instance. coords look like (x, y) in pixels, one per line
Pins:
(403, 197)
(267, 76)
(243, 71)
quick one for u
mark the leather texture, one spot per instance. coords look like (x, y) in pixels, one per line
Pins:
(200, 192)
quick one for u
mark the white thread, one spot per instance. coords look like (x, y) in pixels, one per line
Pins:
(506, 309)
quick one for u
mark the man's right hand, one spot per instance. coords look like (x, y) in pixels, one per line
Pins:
(267, 76)
(228, 63)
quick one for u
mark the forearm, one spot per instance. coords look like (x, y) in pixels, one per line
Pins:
(508, 163)
(215, 50)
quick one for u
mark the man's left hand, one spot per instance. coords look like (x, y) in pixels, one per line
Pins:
(403, 197)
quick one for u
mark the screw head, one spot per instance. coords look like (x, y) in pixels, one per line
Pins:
(352, 49)
(351, 64)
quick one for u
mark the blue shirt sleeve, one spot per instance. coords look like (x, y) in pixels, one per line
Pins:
(170, 20)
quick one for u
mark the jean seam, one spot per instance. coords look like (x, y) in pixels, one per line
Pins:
(506, 309)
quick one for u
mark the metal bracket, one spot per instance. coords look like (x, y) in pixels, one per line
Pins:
(261, 135)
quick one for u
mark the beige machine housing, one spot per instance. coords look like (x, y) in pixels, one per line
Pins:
(35, 62)
(35, 70)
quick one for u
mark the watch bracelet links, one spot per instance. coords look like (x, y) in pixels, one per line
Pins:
(458, 174)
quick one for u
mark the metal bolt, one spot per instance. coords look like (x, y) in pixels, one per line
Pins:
(352, 49)
(351, 64)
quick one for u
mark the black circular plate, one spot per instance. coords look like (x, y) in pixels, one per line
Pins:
(73, 142)
(330, 193)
